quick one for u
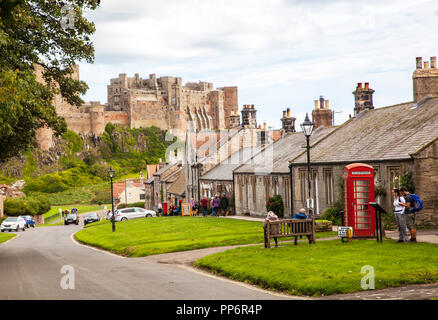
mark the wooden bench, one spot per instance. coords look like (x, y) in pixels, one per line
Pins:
(290, 228)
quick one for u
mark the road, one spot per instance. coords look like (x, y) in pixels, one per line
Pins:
(30, 268)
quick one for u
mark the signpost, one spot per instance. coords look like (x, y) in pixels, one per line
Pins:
(379, 226)
(345, 233)
(186, 209)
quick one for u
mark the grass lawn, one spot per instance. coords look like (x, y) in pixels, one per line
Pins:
(6, 236)
(143, 237)
(328, 267)
(81, 209)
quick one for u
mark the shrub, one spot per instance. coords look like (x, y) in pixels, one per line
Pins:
(140, 204)
(103, 196)
(333, 213)
(275, 204)
(31, 206)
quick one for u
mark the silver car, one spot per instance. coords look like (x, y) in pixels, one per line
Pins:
(13, 223)
(133, 213)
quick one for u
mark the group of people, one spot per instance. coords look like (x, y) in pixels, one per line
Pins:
(218, 204)
(404, 213)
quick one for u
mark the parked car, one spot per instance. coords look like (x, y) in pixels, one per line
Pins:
(91, 217)
(29, 221)
(71, 218)
(133, 213)
(13, 223)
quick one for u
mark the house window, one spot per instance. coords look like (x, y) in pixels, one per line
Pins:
(328, 182)
(286, 191)
(394, 177)
(303, 184)
(142, 196)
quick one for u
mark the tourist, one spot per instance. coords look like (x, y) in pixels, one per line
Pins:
(399, 214)
(410, 214)
(273, 229)
(216, 205)
(224, 204)
(204, 205)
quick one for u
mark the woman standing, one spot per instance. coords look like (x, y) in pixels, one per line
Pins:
(399, 214)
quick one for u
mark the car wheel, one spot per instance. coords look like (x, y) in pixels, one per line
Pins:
(123, 219)
(16, 230)
(148, 215)
(3, 230)
(24, 229)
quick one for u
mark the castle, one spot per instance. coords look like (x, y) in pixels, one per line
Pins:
(163, 102)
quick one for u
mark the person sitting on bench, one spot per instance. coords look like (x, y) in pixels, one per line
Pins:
(301, 215)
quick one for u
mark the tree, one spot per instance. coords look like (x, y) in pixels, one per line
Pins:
(37, 33)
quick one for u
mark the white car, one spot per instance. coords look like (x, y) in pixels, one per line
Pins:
(133, 213)
(13, 223)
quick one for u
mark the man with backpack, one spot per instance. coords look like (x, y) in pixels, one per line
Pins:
(412, 206)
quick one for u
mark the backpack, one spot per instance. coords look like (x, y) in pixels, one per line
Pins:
(418, 203)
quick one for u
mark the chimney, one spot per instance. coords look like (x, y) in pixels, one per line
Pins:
(433, 62)
(321, 102)
(264, 126)
(419, 63)
(284, 114)
(363, 98)
(359, 85)
(260, 126)
(288, 112)
(316, 104)
(426, 64)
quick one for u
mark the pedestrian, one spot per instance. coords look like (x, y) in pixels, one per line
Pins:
(224, 204)
(204, 205)
(410, 214)
(399, 214)
(193, 204)
(275, 229)
(160, 208)
(212, 207)
(301, 215)
(171, 209)
(216, 205)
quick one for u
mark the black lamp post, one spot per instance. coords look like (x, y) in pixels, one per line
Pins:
(111, 174)
(307, 127)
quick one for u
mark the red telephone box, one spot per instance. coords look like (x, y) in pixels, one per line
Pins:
(358, 192)
(164, 208)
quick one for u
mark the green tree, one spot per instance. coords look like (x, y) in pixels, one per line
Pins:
(33, 34)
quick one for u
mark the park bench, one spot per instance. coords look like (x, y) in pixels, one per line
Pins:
(289, 228)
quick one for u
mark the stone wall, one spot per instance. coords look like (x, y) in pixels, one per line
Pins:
(426, 183)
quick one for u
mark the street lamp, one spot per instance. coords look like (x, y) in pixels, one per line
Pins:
(111, 174)
(307, 127)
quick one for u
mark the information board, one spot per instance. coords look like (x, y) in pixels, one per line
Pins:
(186, 209)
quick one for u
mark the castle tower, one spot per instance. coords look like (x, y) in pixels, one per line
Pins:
(322, 116)
(425, 79)
(363, 97)
(97, 118)
(249, 117)
(288, 122)
(234, 120)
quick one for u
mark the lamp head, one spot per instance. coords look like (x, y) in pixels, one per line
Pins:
(111, 172)
(307, 126)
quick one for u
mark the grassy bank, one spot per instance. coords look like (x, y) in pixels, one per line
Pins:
(6, 236)
(143, 237)
(328, 267)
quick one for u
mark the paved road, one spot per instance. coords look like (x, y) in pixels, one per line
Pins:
(30, 268)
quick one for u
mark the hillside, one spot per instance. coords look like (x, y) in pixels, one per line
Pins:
(76, 168)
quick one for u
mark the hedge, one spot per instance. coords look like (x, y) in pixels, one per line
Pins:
(131, 205)
(29, 206)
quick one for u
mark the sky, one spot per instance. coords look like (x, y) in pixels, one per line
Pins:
(280, 53)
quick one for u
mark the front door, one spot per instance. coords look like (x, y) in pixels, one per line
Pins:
(361, 213)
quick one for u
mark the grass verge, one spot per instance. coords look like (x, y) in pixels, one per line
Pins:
(328, 267)
(6, 236)
(148, 236)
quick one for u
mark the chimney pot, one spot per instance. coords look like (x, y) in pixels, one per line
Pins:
(359, 85)
(288, 112)
(284, 114)
(367, 85)
(327, 104)
(433, 62)
(419, 63)
(264, 126)
(426, 64)
(316, 104)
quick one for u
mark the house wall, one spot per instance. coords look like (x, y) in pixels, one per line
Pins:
(426, 184)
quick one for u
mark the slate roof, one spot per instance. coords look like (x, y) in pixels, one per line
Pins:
(275, 157)
(224, 170)
(389, 133)
(178, 187)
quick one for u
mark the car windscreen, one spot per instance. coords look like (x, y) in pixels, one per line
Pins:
(14, 219)
(93, 215)
(71, 216)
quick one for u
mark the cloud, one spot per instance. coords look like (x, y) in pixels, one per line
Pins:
(279, 53)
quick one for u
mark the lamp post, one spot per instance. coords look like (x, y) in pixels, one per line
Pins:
(111, 174)
(307, 127)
